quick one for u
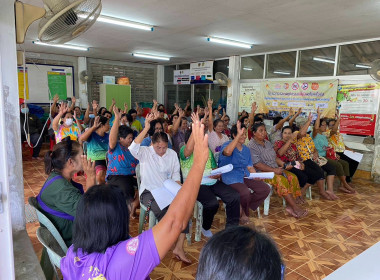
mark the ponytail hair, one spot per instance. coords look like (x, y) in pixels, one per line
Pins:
(56, 159)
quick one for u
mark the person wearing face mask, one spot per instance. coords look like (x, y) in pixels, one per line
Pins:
(121, 169)
(59, 196)
(157, 164)
(67, 128)
(216, 138)
(31, 124)
(97, 146)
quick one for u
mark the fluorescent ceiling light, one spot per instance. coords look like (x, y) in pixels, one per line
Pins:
(229, 42)
(363, 66)
(247, 68)
(281, 73)
(321, 59)
(121, 22)
(61, 46)
(143, 55)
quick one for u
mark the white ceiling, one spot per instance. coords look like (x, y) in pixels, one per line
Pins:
(181, 27)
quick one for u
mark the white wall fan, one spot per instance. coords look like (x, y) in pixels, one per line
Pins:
(62, 20)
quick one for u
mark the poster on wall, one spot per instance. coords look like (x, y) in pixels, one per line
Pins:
(201, 72)
(358, 105)
(23, 83)
(279, 96)
(249, 93)
(182, 77)
(57, 84)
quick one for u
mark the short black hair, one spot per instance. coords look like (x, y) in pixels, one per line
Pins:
(216, 122)
(182, 119)
(258, 118)
(286, 127)
(255, 126)
(103, 120)
(242, 119)
(277, 119)
(160, 137)
(107, 112)
(77, 107)
(233, 130)
(101, 220)
(124, 131)
(240, 253)
(128, 116)
(161, 110)
(172, 117)
(132, 111)
(152, 128)
(101, 108)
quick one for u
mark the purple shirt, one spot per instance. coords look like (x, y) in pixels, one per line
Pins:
(134, 258)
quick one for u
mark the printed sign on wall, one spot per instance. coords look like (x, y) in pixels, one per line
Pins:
(182, 77)
(201, 72)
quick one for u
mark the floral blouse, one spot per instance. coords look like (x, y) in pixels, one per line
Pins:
(291, 153)
(336, 141)
(305, 147)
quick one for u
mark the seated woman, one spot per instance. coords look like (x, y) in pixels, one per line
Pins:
(59, 195)
(121, 169)
(252, 192)
(307, 152)
(211, 187)
(103, 250)
(307, 173)
(97, 146)
(336, 142)
(155, 126)
(157, 164)
(180, 127)
(67, 128)
(321, 144)
(250, 255)
(284, 182)
(278, 123)
(216, 137)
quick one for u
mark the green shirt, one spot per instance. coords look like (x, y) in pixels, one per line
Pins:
(137, 125)
(187, 163)
(62, 196)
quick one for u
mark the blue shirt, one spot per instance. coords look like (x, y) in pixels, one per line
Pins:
(141, 120)
(121, 161)
(321, 142)
(97, 146)
(148, 140)
(240, 161)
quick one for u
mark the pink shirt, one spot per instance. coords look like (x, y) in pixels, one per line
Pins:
(215, 143)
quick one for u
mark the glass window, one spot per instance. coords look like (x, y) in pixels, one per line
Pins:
(183, 66)
(201, 95)
(354, 59)
(221, 66)
(317, 62)
(252, 67)
(170, 97)
(219, 95)
(184, 94)
(168, 73)
(281, 65)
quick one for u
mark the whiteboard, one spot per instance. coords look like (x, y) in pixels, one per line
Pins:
(38, 81)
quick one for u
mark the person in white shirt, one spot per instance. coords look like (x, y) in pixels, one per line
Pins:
(157, 164)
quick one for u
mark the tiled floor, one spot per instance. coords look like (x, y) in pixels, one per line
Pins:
(312, 247)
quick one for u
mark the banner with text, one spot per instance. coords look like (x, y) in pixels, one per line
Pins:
(202, 72)
(249, 93)
(280, 96)
(358, 105)
(21, 85)
(182, 77)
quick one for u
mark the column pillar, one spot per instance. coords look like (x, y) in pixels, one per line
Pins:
(83, 91)
(233, 91)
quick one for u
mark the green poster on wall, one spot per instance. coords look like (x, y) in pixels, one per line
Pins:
(57, 84)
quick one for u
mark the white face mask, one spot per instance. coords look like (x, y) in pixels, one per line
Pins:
(69, 122)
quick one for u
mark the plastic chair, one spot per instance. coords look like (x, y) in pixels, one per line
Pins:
(48, 224)
(266, 203)
(143, 209)
(53, 249)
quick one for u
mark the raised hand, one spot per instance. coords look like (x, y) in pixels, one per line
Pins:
(224, 112)
(75, 115)
(201, 150)
(299, 111)
(219, 108)
(97, 122)
(95, 105)
(117, 112)
(310, 117)
(88, 166)
(253, 107)
(126, 107)
(73, 100)
(194, 117)
(318, 111)
(291, 112)
(240, 131)
(188, 103)
(113, 101)
(209, 103)
(148, 119)
(176, 106)
(55, 98)
(137, 105)
(155, 102)
(63, 109)
(181, 113)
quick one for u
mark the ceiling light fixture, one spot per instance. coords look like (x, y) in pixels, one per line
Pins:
(363, 66)
(321, 59)
(126, 23)
(247, 69)
(281, 73)
(143, 55)
(61, 46)
(229, 42)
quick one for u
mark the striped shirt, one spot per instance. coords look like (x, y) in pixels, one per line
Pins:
(262, 153)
